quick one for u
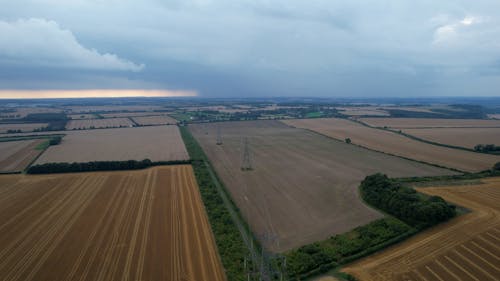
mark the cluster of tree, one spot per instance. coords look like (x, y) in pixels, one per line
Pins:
(13, 131)
(405, 203)
(227, 236)
(496, 167)
(487, 148)
(56, 121)
(49, 168)
(343, 248)
(55, 140)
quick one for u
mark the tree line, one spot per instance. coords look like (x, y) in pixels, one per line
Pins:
(75, 167)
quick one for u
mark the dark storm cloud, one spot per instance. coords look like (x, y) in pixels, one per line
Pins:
(235, 48)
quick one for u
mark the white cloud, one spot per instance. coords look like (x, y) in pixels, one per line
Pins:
(449, 32)
(40, 42)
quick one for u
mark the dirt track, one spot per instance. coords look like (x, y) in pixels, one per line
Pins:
(466, 248)
(133, 225)
(303, 187)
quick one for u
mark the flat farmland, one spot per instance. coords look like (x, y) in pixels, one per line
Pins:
(131, 114)
(161, 143)
(396, 144)
(463, 137)
(134, 225)
(112, 108)
(99, 123)
(303, 186)
(154, 120)
(29, 127)
(15, 156)
(465, 248)
(408, 123)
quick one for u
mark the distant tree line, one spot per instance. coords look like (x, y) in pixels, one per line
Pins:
(487, 148)
(404, 202)
(56, 121)
(50, 168)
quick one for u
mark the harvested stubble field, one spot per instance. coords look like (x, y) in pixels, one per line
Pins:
(303, 186)
(154, 120)
(466, 248)
(463, 137)
(409, 123)
(160, 143)
(29, 127)
(99, 123)
(15, 156)
(396, 144)
(134, 225)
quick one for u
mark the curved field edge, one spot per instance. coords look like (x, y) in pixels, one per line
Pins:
(229, 235)
(444, 252)
(332, 254)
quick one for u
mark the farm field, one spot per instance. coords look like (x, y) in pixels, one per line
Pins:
(161, 143)
(408, 123)
(134, 225)
(463, 137)
(130, 114)
(15, 156)
(393, 143)
(21, 112)
(360, 111)
(99, 123)
(465, 248)
(30, 127)
(303, 186)
(154, 120)
(112, 108)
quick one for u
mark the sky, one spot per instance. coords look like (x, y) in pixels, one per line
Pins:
(243, 48)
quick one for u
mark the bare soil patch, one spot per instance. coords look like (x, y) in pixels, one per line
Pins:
(160, 143)
(134, 225)
(463, 137)
(393, 143)
(15, 156)
(303, 186)
(466, 248)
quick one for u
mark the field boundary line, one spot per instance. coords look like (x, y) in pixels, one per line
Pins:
(383, 152)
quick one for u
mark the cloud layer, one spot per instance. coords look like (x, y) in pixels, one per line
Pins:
(39, 42)
(255, 48)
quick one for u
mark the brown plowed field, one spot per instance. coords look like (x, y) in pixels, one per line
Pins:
(303, 186)
(401, 123)
(463, 137)
(466, 248)
(160, 143)
(393, 143)
(15, 156)
(134, 225)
